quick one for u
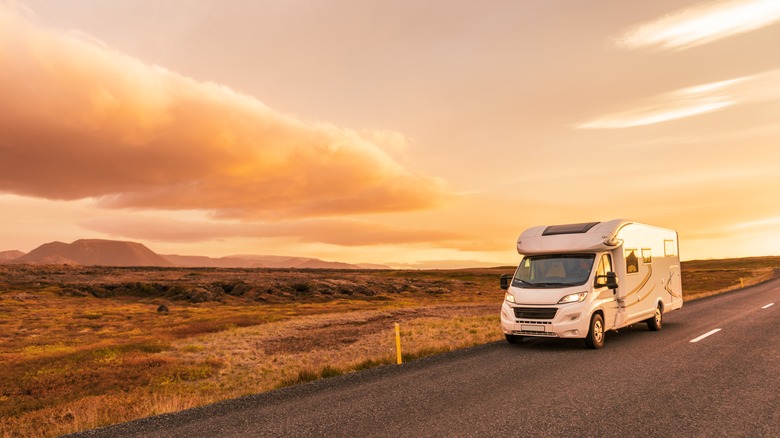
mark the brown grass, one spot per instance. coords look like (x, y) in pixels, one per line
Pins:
(703, 278)
(86, 347)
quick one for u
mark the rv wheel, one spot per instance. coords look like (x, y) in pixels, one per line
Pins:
(657, 320)
(595, 338)
(514, 339)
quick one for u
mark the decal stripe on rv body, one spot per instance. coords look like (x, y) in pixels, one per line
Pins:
(641, 298)
(643, 283)
(668, 287)
(638, 289)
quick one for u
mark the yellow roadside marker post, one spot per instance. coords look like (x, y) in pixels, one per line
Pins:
(741, 283)
(398, 343)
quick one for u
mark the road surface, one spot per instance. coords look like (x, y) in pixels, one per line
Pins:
(714, 370)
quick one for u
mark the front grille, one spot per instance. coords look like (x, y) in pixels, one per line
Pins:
(535, 312)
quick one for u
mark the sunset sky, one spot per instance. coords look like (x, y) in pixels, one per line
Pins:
(409, 133)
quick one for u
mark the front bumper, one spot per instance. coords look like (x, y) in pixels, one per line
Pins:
(570, 321)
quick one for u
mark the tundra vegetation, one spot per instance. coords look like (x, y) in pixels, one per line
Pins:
(84, 347)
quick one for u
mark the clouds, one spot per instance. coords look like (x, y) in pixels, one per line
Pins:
(702, 24)
(687, 28)
(691, 101)
(83, 121)
(667, 129)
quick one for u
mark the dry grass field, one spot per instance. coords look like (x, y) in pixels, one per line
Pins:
(83, 347)
(703, 278)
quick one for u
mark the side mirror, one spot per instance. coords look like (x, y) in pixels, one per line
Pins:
(506, 279)
(610, 280)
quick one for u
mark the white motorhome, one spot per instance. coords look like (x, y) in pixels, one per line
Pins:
(581, 280)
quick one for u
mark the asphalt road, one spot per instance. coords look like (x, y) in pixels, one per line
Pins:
(642, 383)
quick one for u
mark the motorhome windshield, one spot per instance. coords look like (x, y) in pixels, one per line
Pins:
(553, 270)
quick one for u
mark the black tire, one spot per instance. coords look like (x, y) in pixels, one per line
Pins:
(657, 321)
(595, 338)
(514, 339)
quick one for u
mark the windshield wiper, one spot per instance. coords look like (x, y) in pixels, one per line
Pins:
(528, 283)
(552, 284)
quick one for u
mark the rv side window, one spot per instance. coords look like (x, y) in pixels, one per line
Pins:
(647, 256)
(632, 261)
(669, 248)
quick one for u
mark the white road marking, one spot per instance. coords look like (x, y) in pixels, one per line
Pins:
(711, 332)
(768, 305)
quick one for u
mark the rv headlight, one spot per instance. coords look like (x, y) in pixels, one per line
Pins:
(510, 297)
(573, 298)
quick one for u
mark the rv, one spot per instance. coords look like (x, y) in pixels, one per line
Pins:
(581, 280)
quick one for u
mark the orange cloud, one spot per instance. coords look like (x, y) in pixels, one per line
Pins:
(83, 121)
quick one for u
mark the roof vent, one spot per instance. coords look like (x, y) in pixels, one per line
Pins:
(553, 230)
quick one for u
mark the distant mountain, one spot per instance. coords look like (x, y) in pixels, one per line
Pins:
(206, 262)
(96, 252)
(263, 261)
(321, 264)
(270, 261)
(6, 256)
(93, 252)
(372, 266)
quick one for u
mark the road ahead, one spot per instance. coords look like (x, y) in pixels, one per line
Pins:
(641, 383)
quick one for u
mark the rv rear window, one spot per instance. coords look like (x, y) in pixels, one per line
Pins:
(670, 248)
(569, 228)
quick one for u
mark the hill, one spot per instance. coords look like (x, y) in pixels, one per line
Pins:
(93, 252)
(6, 256)
(263, 261)
(98, 252)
